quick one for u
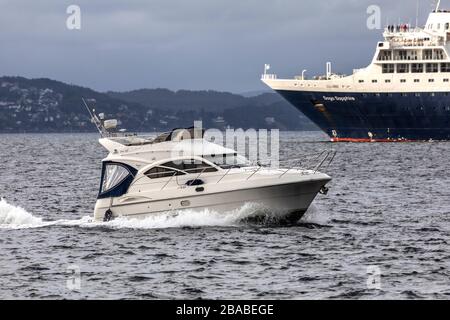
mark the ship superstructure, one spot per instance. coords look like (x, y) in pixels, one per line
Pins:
(403, 95)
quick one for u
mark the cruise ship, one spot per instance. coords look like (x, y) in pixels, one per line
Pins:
(403, 95)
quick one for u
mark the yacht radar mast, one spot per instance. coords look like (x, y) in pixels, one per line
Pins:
(104, 127)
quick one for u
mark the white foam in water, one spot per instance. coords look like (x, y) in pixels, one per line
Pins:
(187, 218)
(315, 216)
(12, 217)
(16, 217)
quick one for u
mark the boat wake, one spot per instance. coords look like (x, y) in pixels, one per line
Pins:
(13, 217)
(314, 216)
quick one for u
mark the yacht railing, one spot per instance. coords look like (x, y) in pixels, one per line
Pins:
(254, 172)
(309, 164)
(325, 159)
(176, 174)
(168, 181)
(328, 159)
(226, 173)
(198, 177)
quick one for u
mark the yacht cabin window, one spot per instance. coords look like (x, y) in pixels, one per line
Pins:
(178, 168)
(190, 166)
(162, 172)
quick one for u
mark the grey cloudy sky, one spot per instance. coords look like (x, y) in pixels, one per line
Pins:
(190, 44)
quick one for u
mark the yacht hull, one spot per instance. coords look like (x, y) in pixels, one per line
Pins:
(286, 201)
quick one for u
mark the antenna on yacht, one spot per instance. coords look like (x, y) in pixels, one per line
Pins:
(106, 128)
(437, 5)
(94, 118)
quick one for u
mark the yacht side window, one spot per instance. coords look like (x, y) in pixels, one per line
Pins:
(177, 168)
(163, 172)
(114, 174)
(196, 166)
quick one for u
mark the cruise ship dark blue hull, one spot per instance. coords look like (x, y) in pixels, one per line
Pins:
(376, 117)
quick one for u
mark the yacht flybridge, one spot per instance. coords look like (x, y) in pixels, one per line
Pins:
(181, 170)
(403, 95)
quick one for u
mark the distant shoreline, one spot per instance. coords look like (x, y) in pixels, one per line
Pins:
(49, 106)
(139, 133)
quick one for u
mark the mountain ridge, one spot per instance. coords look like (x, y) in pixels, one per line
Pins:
(47, 105)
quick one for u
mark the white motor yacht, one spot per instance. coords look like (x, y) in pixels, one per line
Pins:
(182, 170)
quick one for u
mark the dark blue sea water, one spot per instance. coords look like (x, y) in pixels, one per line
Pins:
(387, 213)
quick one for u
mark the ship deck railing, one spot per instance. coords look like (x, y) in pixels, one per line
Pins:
(412, 43)
(269, 76)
